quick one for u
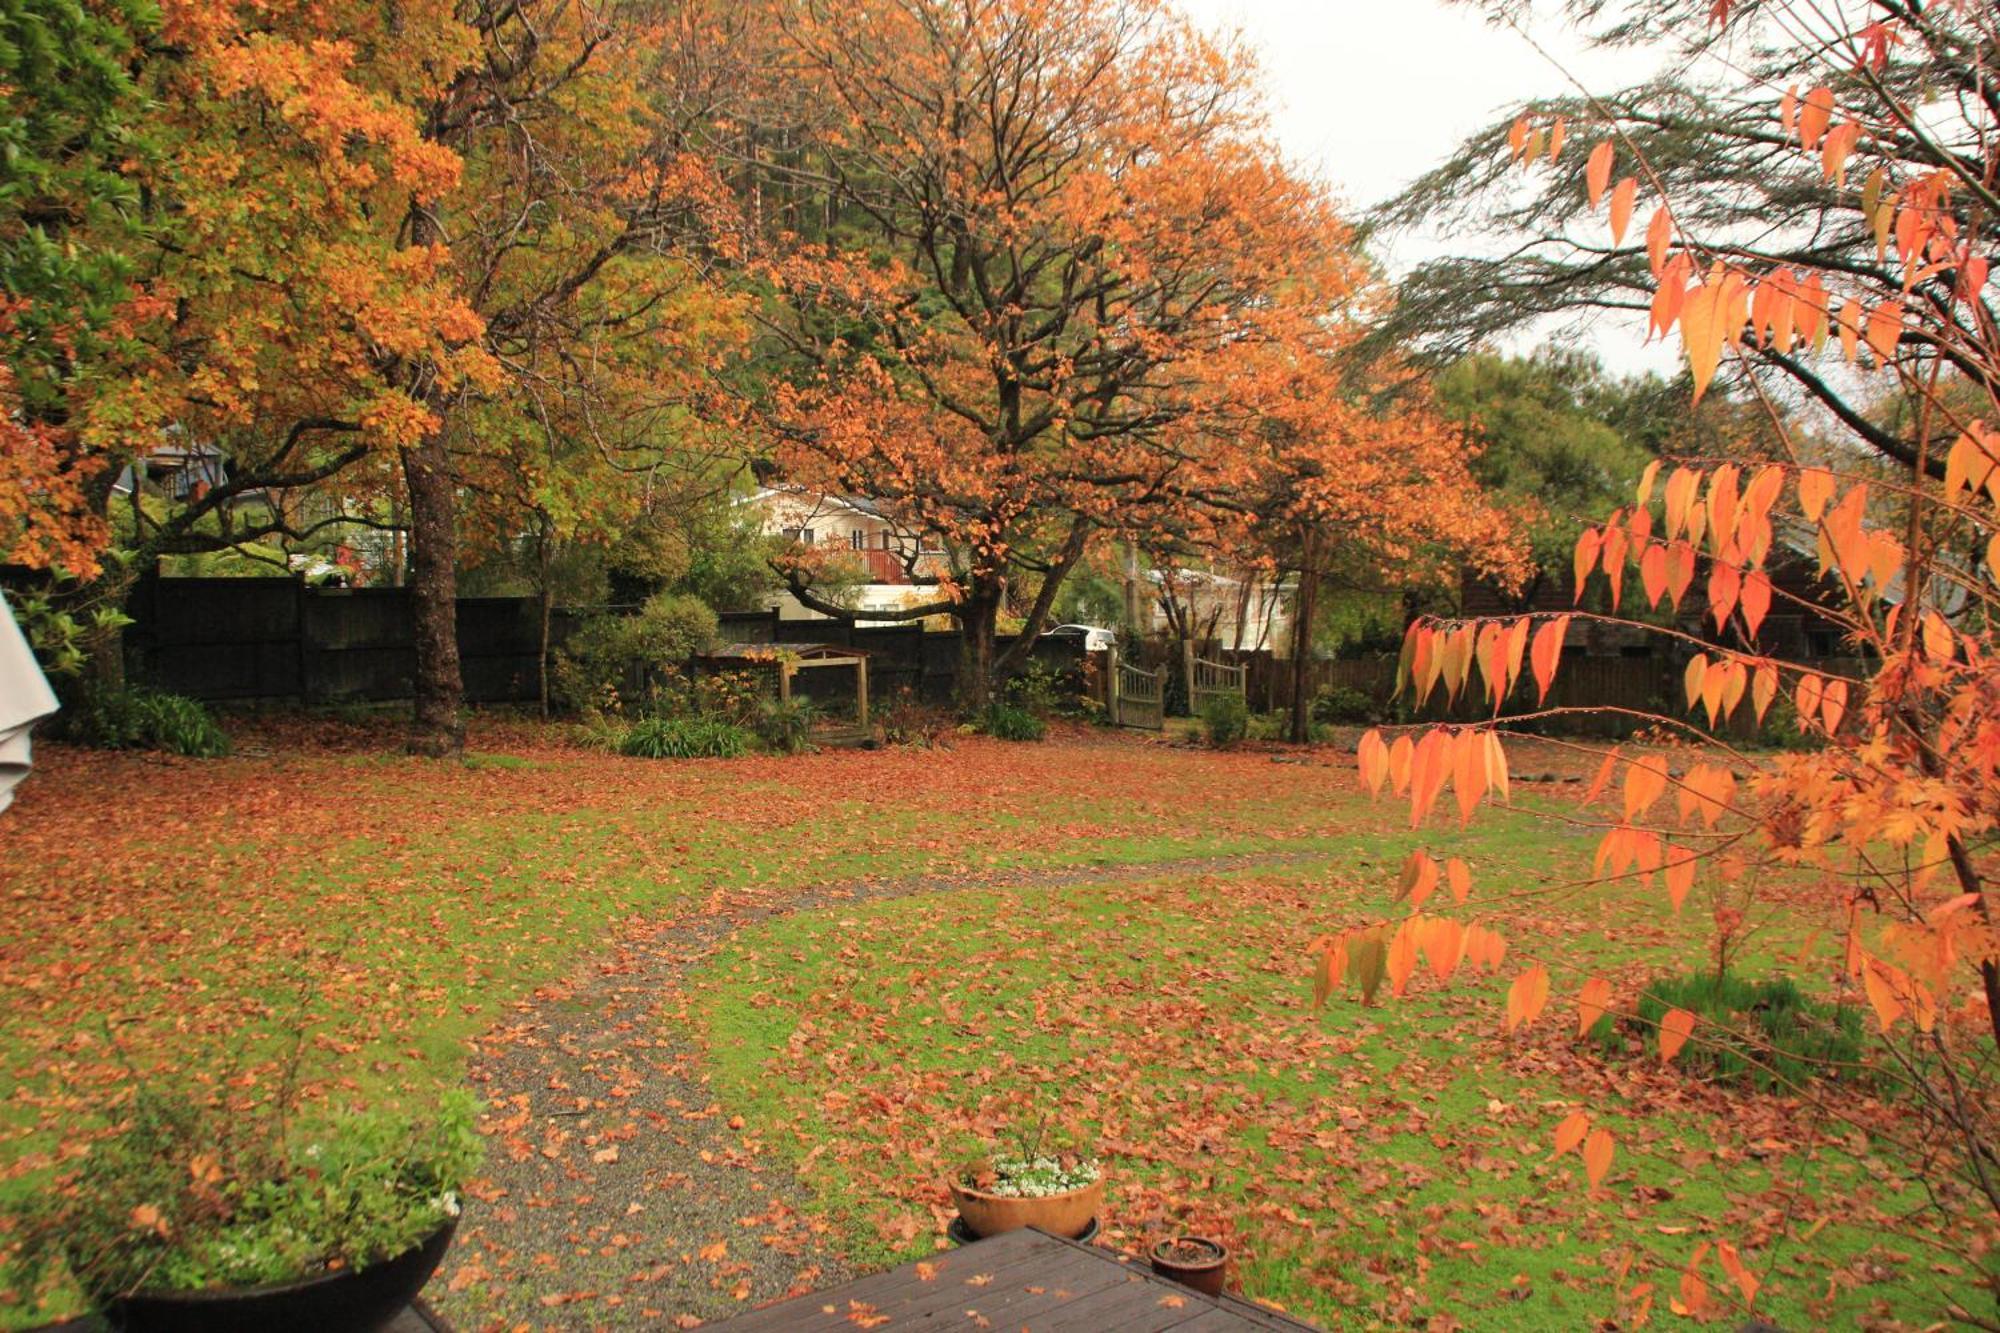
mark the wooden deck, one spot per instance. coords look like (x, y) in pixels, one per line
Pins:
(1021, 1280)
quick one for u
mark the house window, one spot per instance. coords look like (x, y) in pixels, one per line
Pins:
(803, 536)
(858, 540)
(886, 541)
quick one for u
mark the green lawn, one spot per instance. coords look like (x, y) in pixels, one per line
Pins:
(1373, 1165)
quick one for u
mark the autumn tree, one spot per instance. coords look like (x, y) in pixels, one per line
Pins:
(74, 111)
(1868, 132)
(1343, 487)
(1008, 247)
(355, 232)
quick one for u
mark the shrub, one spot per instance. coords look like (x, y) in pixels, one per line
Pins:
(908, 721)
(142, 719)
(610, 656)
(1039, 689)
(1009, 723)
(1225, 718)
(184, 1196)
(1343, 704)
(785, 725)
(1767, 1034)
(685, 738)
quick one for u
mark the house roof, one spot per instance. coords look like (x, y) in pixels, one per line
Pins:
(766, 652)
(858, 504)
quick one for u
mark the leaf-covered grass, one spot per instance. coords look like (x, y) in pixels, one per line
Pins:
(173, 916)
(1389, 1162)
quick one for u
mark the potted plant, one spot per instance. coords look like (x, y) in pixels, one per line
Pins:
(188, 1216)
(1199, 1262)
(1028, 1184)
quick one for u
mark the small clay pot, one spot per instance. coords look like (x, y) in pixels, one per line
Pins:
(1192, 1261)
(1067, 1214)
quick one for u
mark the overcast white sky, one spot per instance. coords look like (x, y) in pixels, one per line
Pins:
(1369, 94)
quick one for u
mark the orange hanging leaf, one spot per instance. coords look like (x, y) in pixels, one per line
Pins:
(1653, 573)
(1402, 959)
(1400, 752)
(1755, 599)
(1703, 329)
(1597, 171)
(1623, 198)
(1833, 705)
(1458, 876)
(1645, 783)
(1419, 879)
(1881, 983)
(1468, 772)
(1659, 236)
(1527, 996)
(1373, 758)
(1675, 1028)
(1587, 547)
(1806, 696)
(1602, 779)
(1815, 489)
(1546, 654)
(1679, 874)
(1694, 677)
(1815, 116)
(1885, 329)
(1570, 1132)
(1592, 1003)
(1598, 1148)
(1725, 582)
(1443, 943)
(1763, 689)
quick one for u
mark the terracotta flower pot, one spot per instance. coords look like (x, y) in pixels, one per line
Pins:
(1192, 1261)
(1066, 1214)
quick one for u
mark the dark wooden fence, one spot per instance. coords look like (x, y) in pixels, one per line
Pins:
(278, 640)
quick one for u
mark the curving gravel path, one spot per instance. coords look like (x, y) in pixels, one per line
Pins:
(619, 1195)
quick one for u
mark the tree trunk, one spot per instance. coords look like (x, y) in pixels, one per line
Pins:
(1302, 617)
(437, 729)
(546, 600)
(978, 618)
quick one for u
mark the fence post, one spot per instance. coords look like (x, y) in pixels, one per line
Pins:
(1111, 684)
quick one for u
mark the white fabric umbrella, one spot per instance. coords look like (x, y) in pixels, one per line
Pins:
(25, 699)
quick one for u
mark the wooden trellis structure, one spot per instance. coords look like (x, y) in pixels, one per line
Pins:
(785, 660)
(1209, 680)
(1134, 696)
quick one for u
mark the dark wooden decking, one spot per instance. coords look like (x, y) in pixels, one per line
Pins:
(1021, 1280)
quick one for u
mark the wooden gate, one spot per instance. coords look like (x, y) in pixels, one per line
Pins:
(1209, 680)
(1138, 697)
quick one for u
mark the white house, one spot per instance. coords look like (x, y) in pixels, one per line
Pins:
(851, 527)
(1237, 614)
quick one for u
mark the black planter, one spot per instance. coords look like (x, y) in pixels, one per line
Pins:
(358, 1300)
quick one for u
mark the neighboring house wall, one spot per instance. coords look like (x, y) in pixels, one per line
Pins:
(1246, 615)
(857, 527)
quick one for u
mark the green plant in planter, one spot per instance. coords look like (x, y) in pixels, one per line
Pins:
(182, 1196)
(1030, 1164)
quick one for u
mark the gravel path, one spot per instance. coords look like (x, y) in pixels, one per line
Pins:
(621, 1195)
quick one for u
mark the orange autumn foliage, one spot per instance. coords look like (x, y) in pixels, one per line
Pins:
(1877, 830)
